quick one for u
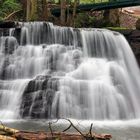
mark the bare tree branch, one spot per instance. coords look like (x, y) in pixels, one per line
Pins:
(50, 127)
(75, 127)
(67, 128)
(12, 14)
(90, 130)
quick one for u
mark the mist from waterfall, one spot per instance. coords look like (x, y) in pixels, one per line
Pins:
(48, 71)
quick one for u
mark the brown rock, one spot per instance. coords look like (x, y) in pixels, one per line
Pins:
(138, 24)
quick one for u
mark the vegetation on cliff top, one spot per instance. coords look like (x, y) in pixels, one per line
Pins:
(7, 7)
(40, 10)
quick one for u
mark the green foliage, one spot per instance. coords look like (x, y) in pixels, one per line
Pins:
(8, 6)
(93, 1)
(1, 19)
(117, 28)
(83, 1)
(92, 20)
(81, 20)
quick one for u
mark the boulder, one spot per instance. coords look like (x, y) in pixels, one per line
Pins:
(138, 24)
(38, 97)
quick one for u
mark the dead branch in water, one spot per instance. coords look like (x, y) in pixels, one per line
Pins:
(50, 127)
(2, 137)
(9, 131)
(71, 124)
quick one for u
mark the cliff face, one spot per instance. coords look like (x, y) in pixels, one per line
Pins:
(133, 37)
(134, 40)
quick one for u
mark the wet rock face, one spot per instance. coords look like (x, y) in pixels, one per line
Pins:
(38, 97)
(3, 74)
(4, 32)
(8, 46)
(7, 24)
(138, 24)
(134, 40)
(133, 37)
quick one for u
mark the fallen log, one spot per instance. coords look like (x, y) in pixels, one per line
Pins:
(7, 138)
(8, 130)
(59, 136)
(7, 133)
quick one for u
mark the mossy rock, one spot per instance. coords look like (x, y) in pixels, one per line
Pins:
(138, 24)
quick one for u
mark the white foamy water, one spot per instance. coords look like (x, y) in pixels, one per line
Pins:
(91, 74)
(11, 96)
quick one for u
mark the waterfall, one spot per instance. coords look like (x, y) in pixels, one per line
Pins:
(48, 71)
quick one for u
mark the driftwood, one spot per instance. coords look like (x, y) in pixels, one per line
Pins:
(7, 133)
(58, 136)
(8, 130)
(3, 137)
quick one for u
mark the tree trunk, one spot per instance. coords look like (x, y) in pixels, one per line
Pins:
(45, 9)
(33, 9)
(112, 17)
(2, 137)
(68, 13)
(63, 12)
(74, 12)
(24, 7)
(37, 10)
(28, 10)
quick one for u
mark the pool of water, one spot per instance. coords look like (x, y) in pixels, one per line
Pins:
(120, 130)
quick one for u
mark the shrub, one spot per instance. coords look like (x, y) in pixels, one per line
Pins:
(8, 6)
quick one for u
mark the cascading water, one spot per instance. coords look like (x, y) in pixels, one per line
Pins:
(48, 71)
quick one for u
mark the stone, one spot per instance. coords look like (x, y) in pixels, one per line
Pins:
(38, 97)
(135, 34)
(138, 24)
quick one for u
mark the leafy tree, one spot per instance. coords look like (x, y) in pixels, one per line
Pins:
(8, 6)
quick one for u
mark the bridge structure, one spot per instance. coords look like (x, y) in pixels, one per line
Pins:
(108, 4)
(102, 5)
